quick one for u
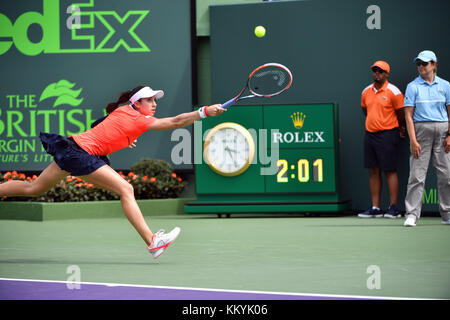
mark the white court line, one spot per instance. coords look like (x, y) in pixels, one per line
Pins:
(224, 290)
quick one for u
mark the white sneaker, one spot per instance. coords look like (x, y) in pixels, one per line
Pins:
(161, 241)
(446, 221)
(410, 222)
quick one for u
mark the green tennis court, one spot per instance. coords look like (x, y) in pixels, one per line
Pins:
(289, 254)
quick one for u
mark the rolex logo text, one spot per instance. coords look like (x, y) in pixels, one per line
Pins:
(298, 120)
(298, 137)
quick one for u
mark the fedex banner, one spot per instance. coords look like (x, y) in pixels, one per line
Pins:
(63, 61)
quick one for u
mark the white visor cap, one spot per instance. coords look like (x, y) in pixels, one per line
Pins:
(146, 92)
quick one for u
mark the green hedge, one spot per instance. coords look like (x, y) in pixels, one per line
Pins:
(150, 178)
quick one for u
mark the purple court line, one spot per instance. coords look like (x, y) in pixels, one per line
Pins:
(12, 289)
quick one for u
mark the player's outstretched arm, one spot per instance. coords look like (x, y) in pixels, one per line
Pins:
(185, 119)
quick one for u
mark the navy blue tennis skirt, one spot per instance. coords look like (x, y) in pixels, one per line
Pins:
(70, 156)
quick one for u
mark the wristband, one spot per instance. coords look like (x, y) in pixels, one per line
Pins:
(201, 111)
(206, 111)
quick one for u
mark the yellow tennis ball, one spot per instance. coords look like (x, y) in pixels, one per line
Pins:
(260, 31)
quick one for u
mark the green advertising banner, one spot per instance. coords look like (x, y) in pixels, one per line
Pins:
(63, 61)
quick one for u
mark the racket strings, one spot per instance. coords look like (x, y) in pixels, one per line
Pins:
(269, 81)
(277, 75)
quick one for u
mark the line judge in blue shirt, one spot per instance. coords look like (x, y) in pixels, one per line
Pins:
(427, 115)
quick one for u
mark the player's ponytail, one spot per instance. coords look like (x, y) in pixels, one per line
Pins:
(124, 97)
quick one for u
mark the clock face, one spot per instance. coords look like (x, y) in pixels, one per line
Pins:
(229, 149)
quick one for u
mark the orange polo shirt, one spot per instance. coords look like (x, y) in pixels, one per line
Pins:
(381, 106)
(119, 129)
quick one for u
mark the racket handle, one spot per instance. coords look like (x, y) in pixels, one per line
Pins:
(228, 103)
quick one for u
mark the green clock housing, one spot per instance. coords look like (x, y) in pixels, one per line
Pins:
(295, 167)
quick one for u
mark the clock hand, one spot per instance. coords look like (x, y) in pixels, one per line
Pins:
(231, 156)
(228, 148)
(229, 152)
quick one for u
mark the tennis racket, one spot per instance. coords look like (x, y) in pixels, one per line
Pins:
(267, 81)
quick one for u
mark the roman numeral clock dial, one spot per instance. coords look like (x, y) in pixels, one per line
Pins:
(229, 149)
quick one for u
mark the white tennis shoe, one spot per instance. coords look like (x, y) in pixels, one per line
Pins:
(161, 241)
(410, 222)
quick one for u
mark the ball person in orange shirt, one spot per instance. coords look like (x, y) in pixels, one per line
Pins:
(382, 104)
(84, 155)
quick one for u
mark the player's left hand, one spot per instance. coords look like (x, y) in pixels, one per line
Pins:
(447, 144)
(215, 110)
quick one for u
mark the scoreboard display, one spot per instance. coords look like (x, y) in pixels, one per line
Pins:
(305, 138)
(268, 158)
(305, 171)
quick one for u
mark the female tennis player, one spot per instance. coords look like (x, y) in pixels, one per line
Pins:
(84, 155)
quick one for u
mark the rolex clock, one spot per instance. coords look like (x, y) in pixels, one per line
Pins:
(229, 149)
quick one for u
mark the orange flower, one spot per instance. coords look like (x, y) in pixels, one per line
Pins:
(7, 175)
(14, 173)
(152, 179)
(34, 177)
(174, 175)
(179, 179)
(22, 176)
(130, 174)
(69, 179)
(144, 178)
(79, 184)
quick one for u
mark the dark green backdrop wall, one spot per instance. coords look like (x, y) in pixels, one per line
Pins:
(329, 46)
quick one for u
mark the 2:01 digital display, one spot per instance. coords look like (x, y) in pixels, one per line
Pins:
(302, 170)
(307, 170)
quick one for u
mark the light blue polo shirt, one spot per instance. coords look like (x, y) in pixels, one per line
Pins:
(430, 101)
